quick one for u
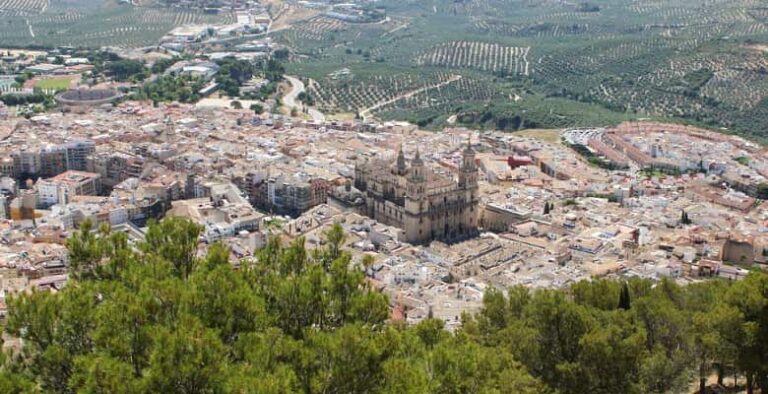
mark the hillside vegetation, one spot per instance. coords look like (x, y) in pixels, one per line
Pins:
(702, 62)
(92, 23)
(160, 319)
(605, 61)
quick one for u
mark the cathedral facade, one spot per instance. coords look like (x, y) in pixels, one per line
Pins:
(426, 205)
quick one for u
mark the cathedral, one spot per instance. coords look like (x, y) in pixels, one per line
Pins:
(426, 205)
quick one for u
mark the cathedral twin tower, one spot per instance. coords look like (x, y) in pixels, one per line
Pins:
(426, 205)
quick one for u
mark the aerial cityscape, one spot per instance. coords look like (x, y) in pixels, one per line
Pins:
(394, 196)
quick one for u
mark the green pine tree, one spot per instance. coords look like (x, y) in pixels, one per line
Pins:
(624, 299)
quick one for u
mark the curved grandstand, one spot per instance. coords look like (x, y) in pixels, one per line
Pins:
(87, 97)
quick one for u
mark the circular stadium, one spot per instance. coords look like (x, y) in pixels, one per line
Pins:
(87, 97)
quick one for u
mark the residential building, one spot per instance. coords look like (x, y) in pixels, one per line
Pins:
(61, 188)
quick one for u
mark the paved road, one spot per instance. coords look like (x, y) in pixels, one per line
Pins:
(290, 99)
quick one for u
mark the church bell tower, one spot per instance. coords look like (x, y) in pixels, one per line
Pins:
(468, 169)
(416, 228)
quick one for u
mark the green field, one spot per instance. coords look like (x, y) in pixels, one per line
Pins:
(546, 63)
(91, 23)
(54, 83)
(522, 63)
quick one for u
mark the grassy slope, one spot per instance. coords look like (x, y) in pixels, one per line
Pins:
(94, 23)
(682, 59)
(679, 59)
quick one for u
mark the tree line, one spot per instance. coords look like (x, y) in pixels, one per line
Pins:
(158, 317)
